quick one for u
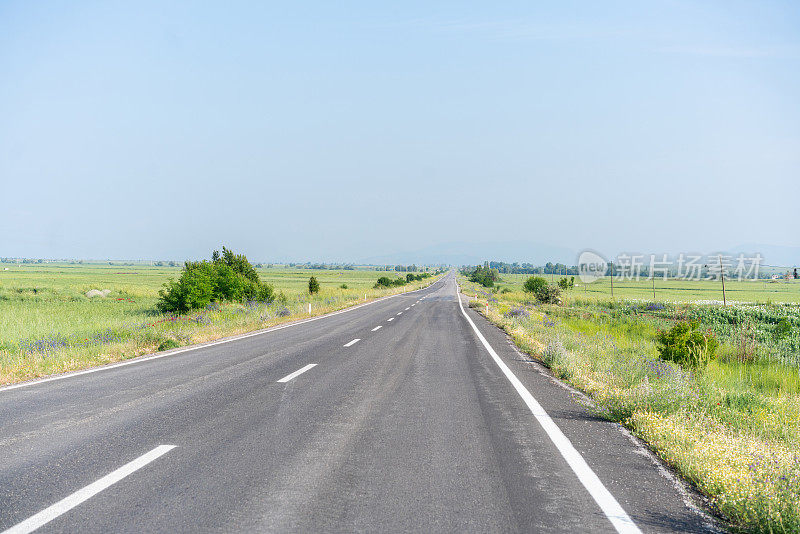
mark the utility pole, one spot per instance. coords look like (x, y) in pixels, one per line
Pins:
(653, 276)
(612, 280)
(722, 277)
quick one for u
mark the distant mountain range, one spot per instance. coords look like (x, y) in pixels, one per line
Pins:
(774, 255)
(464, 253)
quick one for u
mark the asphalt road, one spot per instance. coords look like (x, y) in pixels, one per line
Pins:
(414, 427)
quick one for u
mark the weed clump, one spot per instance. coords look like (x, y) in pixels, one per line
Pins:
(168, 344)
(687, 345)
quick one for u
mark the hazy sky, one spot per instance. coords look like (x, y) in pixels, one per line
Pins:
(335, 131)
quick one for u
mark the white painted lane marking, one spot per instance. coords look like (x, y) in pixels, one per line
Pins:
(611, 508)
(399, 313)
(408, 308)
(297, 373)
(390, 319)
(68, 503)
(356, 340)
(377, 327)
(205, 345)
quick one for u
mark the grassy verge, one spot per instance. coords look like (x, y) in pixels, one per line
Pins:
(732, 430)
(49, 326)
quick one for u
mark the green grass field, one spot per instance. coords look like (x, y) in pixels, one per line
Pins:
(750, 291)
(48, 325)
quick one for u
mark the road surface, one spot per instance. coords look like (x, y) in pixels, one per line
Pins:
(407, 414)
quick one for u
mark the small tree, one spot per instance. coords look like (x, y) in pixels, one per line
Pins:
(313, 285)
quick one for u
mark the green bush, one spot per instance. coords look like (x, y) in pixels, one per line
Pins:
(544, 292)
(548, 294)
(783, 328)
(687, 345)
(343, 286)
(534, 284)
(383, 281)
(313, 285)
(227, 277)
(194, 289)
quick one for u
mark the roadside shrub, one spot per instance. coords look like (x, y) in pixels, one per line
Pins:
(194, 289)
(549, 294)
(687, 345)
(383, 281)
(313, 285)
(227, 276)
(343, 286)
(534, 284)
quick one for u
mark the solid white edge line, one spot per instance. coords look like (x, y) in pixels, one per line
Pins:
(204, 345)
(297, 373)
(377, 328)
(356, 340)
(611, 508)
(68, 503)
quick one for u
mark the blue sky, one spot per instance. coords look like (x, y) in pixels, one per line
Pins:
(342, 131)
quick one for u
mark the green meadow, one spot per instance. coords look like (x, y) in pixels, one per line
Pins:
(699, 291)
(48, 324)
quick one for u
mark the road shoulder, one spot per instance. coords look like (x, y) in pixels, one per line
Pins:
(653, 495)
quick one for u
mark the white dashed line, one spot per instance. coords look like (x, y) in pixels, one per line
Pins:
(390, 319)
(297, 373)
(377, 328)
(68, 503)
(408, 308)
(356, 340)
(399, 313)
